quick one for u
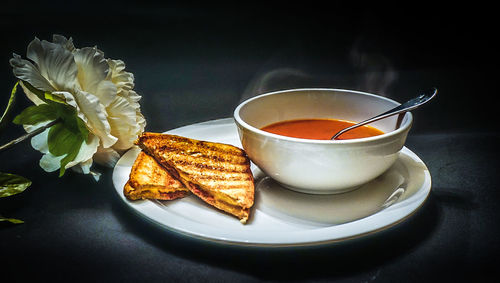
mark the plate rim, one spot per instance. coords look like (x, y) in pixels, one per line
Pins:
(412, 205)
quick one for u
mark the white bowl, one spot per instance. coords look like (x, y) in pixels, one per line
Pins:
(320, 166)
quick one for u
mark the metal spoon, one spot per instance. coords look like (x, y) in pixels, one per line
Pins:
(405, 107)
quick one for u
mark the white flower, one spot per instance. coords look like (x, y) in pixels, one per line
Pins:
(99, 89)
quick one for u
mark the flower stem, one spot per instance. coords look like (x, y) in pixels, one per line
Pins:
(28, 135)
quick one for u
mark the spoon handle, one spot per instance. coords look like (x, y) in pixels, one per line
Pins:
(405, 107)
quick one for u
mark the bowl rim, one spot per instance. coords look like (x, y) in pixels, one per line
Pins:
(407, 121)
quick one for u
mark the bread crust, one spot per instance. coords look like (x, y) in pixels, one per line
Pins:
(149, 180)
(217, 173)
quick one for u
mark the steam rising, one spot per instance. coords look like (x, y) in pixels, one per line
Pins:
(365, 70)
(376, 73)
(276, 79)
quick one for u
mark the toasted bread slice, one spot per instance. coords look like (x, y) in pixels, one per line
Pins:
(149, 180)
(217, 173)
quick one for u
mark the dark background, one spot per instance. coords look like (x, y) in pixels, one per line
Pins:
(196, 63)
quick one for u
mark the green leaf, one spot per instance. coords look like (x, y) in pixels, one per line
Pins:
(63, 140)
(11, 220)
(83, 129)
(66, 138)
(35, 114)
(69, 116)
(67, 159)
(11, 184)
(52, 97)
(10, 105)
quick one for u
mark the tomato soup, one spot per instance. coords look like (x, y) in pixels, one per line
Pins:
(320, 129)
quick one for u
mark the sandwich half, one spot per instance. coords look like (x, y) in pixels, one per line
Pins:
(217, 173)
(149, 180)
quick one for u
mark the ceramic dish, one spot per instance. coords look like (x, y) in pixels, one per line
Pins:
(281, 217)
(320, 166)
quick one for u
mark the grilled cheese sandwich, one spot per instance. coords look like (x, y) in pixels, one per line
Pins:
(149, 180)
(217, 173)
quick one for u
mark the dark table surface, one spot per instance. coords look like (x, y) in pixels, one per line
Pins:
(193, 64)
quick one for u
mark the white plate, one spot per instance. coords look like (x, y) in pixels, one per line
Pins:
(281, 217)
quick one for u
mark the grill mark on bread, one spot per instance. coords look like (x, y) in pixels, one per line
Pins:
(205, 145)
(182, 142)
(214, 173)
(226, 185)
(204, 171)
(218, 173)
(222, 178)
(211, 155)
(222, 168)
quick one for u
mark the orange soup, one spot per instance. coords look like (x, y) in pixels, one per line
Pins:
(320, 129)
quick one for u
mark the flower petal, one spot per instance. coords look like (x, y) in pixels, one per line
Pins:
(106, 92)
(123, 80)
(92, 113)
(92, 68)
(141, 121)
(64, 42)
(106, 156)
(123, 120)
(50, 163)
(31, 96)
(84, 156)
(83, 167)
(39, 142)
(54, 62)
(131, 96)
(26, 71)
